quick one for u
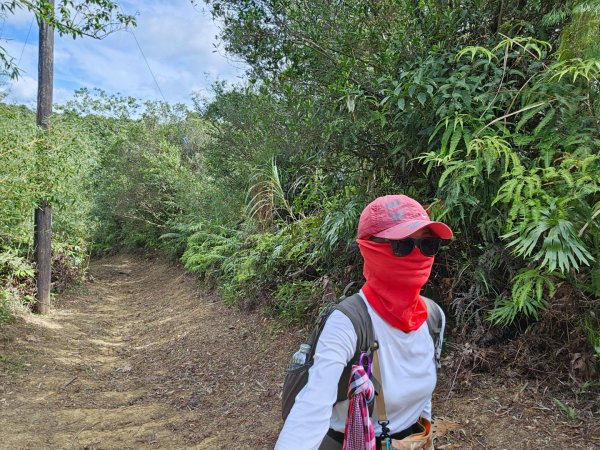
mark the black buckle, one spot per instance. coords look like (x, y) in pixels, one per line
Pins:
(384, 429)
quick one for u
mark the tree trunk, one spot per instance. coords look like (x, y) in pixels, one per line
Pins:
(42, 234)
(43, 256)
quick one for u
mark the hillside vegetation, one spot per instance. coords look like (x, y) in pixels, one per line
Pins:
(488, 112)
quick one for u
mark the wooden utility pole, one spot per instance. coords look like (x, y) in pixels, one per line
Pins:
(42, 234)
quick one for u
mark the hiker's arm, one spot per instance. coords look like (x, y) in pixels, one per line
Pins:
(309, 418)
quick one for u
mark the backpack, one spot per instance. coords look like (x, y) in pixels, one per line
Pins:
(356, 310)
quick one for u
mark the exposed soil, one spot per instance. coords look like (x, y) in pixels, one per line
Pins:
(140, 358)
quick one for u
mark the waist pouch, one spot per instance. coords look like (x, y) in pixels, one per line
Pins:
(416, 437)
(419, 438)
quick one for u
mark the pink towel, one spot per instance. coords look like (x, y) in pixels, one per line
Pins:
(359, 433)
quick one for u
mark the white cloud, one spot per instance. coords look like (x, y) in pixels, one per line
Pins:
(24, 91)
(177, 40)
(21, 17)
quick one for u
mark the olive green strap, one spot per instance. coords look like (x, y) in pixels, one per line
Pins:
(379, 398)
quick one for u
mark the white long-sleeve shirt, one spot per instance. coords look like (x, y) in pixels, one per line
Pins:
(408, 371)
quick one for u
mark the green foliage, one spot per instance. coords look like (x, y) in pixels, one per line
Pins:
(12, 364)
(541, 188)
(266, 197)
(580, 36)
(591, 325)
(248, 265)
(588, 69)
(206, 251)
(292, 301)
(115, 172)
(13, 267)
(479, 112)
(567, 410)
(149, 171)
(488, 124)
(57, 165)
(552, 239)
(530, 289)
(18, 189)
(6, 313)
(15, 275)
(340, 223)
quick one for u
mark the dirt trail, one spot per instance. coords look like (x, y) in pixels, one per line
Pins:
(138, 358)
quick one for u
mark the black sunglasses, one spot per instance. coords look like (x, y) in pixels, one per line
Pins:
(429, 246)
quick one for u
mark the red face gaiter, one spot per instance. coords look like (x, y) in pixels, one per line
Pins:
(394, 284)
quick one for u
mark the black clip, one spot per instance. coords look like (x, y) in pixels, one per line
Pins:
(384, 429)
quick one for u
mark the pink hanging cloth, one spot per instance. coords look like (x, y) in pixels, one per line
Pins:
(359, 433)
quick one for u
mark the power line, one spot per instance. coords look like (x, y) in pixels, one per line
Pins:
(26, 41)
(145, 59)
(148, 66)
(12, 83)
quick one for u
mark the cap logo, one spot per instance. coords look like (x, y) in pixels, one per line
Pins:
(394, 215)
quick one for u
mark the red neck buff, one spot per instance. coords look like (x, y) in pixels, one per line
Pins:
(394, 284)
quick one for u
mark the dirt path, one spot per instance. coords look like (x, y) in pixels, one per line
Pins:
(138, 358)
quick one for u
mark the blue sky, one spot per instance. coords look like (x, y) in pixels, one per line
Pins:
(177, 39)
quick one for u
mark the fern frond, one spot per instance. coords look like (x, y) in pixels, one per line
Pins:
(556, 17)
(531, 290)
(575, 68)
(535, 47)
(492, 149)
(551, 239)
(473, 50)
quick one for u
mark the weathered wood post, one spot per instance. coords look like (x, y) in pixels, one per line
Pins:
(42, 234)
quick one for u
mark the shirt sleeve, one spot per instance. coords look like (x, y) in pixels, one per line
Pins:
(438, 351)
(309, 418)
(427, 410)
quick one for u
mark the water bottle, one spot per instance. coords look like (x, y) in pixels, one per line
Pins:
(300, 357)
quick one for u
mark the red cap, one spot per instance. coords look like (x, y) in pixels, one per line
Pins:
(396, 217)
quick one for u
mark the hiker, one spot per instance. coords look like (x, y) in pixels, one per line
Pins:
(398, 243)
